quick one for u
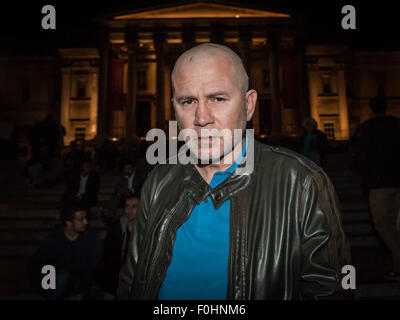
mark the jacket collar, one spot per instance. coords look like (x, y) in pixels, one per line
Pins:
(198, 189)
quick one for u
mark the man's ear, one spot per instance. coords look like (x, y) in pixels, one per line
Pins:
(68, 224)
(251, 100)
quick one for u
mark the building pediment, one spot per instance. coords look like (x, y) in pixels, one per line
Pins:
(201, 10)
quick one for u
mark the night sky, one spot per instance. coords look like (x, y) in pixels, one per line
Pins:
(378, 23)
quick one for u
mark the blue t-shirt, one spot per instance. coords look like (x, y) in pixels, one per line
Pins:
(199, 266)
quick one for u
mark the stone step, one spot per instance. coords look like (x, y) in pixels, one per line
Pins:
(354, 196)
(52, 190)
(358, 229)
(355, 216)
(22, 180)
(28, 199)
(45, 195)
(32, 224)
(16, 213)
(342, 176)
(348, 193)
(35, 236)
(17, 250)
(345, 185)
(21, 206)
(9, 212)
(354, 206)
(364, 241)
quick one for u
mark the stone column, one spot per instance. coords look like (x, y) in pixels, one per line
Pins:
(159, 44)
(273, 40)
(302, 78)
(217, 33)
(167, 101)
(94, 90)
(188, 37)
(343, 110)
(130, 111)
(314, 85)
(65, 97)
(103, 112)
(244, 47)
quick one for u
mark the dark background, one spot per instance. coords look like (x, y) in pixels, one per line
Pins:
(378, 23)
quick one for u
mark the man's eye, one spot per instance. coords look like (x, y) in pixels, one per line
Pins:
(188, 101)
(218, 99)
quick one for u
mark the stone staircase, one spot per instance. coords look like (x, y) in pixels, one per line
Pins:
(357, 222)
(27, 217)
(370, 258)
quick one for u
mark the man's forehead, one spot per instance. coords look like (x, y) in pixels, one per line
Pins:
(80, 214)
(132, 200)
(212, 78)
(203, 62)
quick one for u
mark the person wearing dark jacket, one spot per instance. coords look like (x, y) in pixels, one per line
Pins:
(313, 142)
(242, 221)
(83, 186)
(116, 243)
(128, 182)
(74, 250)
(377, 160)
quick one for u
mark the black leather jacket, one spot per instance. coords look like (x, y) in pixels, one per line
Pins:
(286, 238)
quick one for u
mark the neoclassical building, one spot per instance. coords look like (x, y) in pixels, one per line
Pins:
(141, 47)
(122, 88)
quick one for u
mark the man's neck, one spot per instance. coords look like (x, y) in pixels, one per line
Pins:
(208, 171)
(130, 225)
(71, 234)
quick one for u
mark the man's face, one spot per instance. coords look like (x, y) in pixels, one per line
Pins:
(128, 169)
(131, 206)
(79, 223)
(208, 95)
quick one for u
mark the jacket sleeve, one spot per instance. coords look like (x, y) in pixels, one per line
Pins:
(324, 247)
(126, 276)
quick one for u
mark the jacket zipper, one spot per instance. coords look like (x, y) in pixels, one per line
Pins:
(151, 291)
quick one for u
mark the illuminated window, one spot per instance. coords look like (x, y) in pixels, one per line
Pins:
(142, 80)
(81, 89)
(329, 128)
(326, 85)
(80, 133)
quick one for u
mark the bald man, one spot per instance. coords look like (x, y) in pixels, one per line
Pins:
(211, 230)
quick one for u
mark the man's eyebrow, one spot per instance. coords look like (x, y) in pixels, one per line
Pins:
(216, 94)
(184, 98)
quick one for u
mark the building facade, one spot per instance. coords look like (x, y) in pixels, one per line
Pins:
(123, 88)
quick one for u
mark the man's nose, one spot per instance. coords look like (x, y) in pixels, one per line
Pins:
(203, 115)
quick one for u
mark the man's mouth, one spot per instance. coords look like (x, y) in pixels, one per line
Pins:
(207, 139)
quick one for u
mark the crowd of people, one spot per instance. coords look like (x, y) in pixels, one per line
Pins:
(86, 268)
